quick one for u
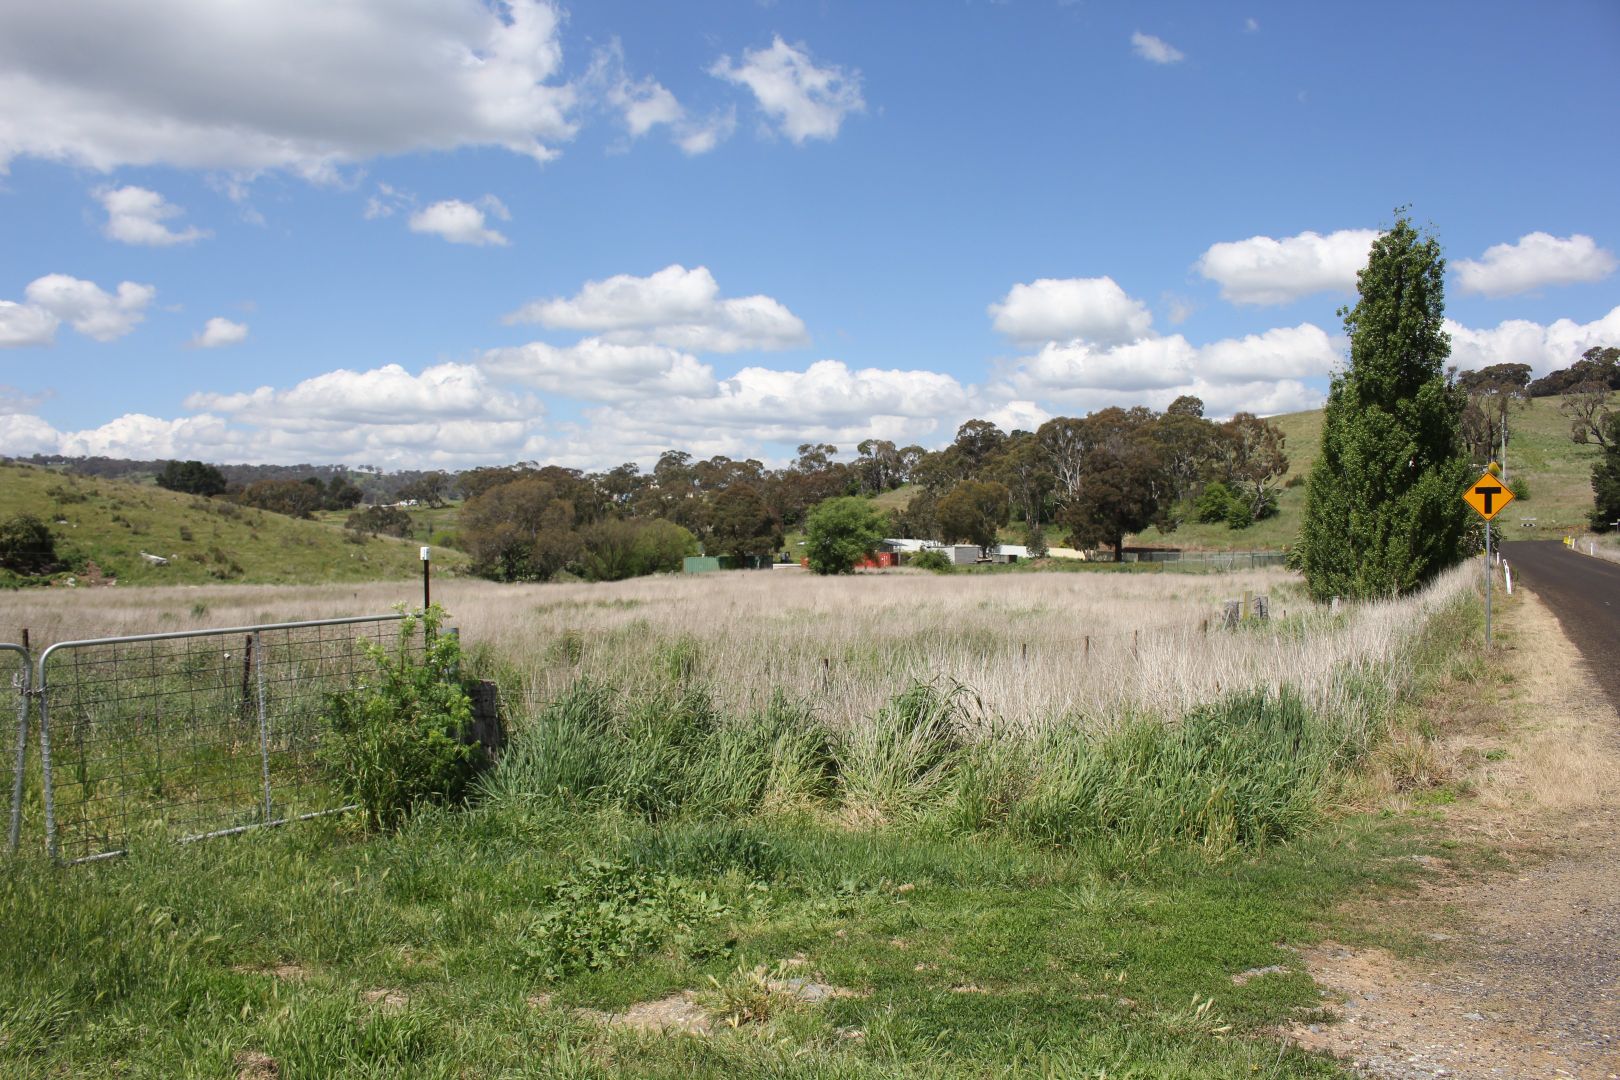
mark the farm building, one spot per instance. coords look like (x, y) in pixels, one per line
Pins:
(703, 564)
(906, 547)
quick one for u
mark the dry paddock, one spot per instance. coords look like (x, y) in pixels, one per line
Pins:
(1028, 647)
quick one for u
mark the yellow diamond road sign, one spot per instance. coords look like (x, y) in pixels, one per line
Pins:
(1488, 496)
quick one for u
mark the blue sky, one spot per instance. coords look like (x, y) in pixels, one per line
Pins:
(439, 233)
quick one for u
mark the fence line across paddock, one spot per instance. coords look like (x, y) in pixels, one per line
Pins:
(186, 734)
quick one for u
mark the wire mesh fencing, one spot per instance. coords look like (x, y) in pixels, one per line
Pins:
(191, 734)
(16, 677)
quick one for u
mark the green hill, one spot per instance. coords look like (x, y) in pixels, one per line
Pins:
(1559, 473)
(1539, 451)
(111, 522)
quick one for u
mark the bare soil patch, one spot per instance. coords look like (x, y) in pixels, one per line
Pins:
(677, 1014)
(252, 1065)
(1529, 984)
(387, 1000)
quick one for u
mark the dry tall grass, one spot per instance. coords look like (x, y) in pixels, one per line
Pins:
(1032, 648)
(1601, 547)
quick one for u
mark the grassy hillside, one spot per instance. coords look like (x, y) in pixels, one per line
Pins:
(1559, 473)
(110, 522)
(1539, 450)
(434, 525)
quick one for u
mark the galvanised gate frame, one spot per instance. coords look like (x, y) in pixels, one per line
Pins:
(187, 735)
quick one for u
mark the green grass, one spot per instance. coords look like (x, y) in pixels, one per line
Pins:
(970, 956)
(110, 522)
(1064, 904)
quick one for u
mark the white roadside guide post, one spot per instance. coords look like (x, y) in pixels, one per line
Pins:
(426, 564)
(1488, 497)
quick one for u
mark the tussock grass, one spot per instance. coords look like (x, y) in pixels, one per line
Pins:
(1601, 547)
(1032, 648)
(1218, 740)
(957, 799)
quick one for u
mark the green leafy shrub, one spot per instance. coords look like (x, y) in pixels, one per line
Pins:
(841, 531)
(375, 520)
(397, 741)
(26, 545)
(1215, 504)
(932, 559)
(1520, 486)
(1238, 514)
(610, 912)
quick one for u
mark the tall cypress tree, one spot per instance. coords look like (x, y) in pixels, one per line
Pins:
(1384, 510)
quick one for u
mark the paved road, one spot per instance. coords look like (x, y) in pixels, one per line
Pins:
(1585, 595)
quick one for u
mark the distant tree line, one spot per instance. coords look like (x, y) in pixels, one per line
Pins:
(1095, 479)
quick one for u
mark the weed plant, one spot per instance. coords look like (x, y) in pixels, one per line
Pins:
(400, 739)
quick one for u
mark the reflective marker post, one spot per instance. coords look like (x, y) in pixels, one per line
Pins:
(427, 563)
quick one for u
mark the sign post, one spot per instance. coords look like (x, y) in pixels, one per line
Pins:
(1488, 496)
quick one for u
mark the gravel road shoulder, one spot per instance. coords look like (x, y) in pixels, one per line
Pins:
(1526, 981)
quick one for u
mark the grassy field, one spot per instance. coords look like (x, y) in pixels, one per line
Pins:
(110, 522)
(892, 826)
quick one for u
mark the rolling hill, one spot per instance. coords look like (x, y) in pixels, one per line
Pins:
(111, 522)
(1559, 473)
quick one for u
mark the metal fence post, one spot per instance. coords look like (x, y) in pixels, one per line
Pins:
(22, 684)
(42, 694)
(264, 723)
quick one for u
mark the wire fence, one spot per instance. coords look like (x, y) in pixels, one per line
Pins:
(16, 673)
(186, 735)
(1225, 560)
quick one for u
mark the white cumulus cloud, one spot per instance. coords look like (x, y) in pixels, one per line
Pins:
(1534, 262)
(827, 402)
(84, 305)
(805, 101)
(597, 370)
(1156, 50)
(676, 307)
(386, 395)
(461, 222)
(24, 433)
(1545, 348)
(25, 324)
(218, 332)
(1061, 309)
(305, 85)
(1259, 372)
(1263, 270)
(136, 216)
(447, 415)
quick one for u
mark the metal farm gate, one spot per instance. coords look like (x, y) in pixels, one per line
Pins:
(183, 735)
